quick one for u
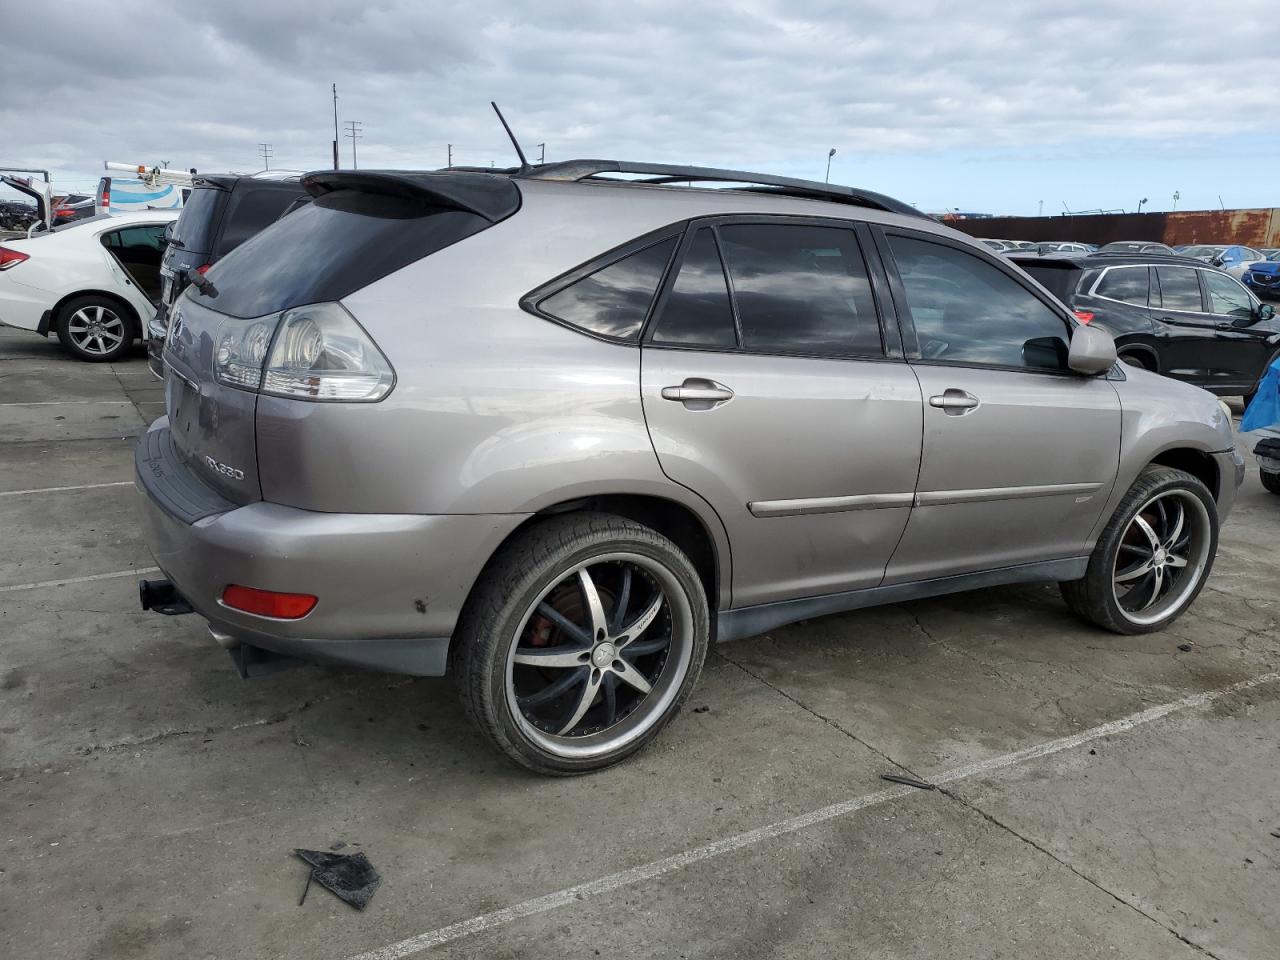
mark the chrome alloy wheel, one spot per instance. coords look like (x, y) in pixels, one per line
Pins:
(97, 330)
(1162, 556)
(600, 655)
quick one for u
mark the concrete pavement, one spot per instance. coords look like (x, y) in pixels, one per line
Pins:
(149, 798)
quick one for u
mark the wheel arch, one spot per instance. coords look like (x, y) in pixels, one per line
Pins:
(706, 547)
(1195, 462)
(1148, 354)
(130, 313)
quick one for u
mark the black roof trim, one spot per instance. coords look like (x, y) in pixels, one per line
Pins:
(579, 170)
(492, 197)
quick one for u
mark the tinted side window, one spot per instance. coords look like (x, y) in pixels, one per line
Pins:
(1128, 284)
(251, 211)
(200, 213)
(968, 311)
(1226, 297)
(614, 300)
(801, 289)
(1179, 289)
(696, 311)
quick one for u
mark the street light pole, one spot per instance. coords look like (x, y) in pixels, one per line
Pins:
(1176, 197)
(830, 154)
(1140, 204)
(335, 126)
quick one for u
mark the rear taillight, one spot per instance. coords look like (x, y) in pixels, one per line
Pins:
(203, 268)
(11, 258)
(1084, 316)
(316, 352)
(268, 603)
(321, 353)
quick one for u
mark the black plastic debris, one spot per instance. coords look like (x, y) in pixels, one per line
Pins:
(349, 877)
(908, 781)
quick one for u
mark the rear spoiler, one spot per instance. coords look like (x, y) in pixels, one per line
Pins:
(492, 197)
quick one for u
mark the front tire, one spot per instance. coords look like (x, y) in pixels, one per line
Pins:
(95, 329)
(581, 641)
(1271, 481)
(1153, 557)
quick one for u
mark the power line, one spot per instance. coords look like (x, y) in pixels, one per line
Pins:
(353, 131)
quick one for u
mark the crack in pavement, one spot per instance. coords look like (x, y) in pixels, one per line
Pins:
(1135, 907)
(951, 794)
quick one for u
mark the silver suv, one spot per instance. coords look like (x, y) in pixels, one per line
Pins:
(552, 432)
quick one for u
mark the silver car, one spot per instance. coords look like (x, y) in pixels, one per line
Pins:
(553, 433)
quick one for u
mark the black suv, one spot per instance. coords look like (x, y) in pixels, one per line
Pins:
(1174, 315)
(221, 213)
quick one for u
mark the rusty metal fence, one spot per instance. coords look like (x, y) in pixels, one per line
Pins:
(1253, 228)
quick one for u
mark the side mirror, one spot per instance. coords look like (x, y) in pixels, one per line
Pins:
(1092, 351)
(1266, 311)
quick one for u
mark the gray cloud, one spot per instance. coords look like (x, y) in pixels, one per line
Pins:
(757, 83)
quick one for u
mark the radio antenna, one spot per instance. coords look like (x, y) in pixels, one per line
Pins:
(525, 166)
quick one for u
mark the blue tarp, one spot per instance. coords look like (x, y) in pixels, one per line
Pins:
(1264, 411)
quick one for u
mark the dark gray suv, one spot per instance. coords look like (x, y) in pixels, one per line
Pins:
(554, 432)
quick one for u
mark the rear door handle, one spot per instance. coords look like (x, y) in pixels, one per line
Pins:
(698, 393)
(954, 402)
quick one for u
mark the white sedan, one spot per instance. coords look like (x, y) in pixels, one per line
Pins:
(94, 282)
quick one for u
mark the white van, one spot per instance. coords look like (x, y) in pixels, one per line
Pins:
(150, 188)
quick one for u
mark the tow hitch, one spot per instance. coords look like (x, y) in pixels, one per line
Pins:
(162, 597)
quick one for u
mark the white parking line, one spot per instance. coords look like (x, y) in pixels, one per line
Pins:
(656, 868)
(82, 486)
(60, 403)
(62, 583)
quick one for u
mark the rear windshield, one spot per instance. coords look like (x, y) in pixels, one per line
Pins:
(195, 227)
(1058, 279)
(252, 208)
(330, 248)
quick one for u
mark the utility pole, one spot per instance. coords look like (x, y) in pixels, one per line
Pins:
(542, 154)
(265, 148)
(353, 131)
(449, 165)
(335, 126)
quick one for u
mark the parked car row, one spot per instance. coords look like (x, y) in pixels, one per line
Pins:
(1172, 315)
(96, 283)
(551, 433)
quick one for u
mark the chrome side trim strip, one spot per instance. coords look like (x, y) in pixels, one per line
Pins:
(937, 498)
(797, 508)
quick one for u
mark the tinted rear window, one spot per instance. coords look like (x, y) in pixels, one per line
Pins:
(1061, 281)
(199, 218)
(330, 248)
(252, 209)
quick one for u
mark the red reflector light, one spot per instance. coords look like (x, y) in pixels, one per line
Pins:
(268, 603)
(10, 258)
(1084, 316)
(203, 268)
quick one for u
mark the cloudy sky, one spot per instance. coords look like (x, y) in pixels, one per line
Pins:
(993, 106)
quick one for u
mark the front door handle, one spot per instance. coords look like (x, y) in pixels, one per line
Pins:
(698, 393)
(954, 402)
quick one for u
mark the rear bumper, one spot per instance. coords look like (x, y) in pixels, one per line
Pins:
(22, 306)
(390, 586)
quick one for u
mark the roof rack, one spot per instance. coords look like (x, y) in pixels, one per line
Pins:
(664, 173)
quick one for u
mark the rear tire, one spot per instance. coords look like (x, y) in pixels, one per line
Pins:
(1137, 360)
(1271, 481)
(1153, 557)
(581, 641)
(96, 329)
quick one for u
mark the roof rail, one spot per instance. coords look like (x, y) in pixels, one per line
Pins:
(662, 173)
